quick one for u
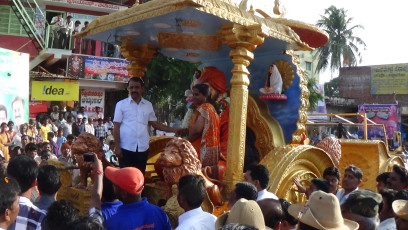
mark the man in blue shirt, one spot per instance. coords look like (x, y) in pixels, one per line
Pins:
(136, 212)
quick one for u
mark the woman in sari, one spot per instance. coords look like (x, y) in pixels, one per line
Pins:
(204, 128)
(273, 82)
(4, 141)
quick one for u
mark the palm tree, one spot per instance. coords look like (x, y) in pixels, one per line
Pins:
(343, 47)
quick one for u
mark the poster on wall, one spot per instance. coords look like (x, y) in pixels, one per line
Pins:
(39, 21)
(321, 105)
(14, 87)
(91, 98)
(386, 114)
(98, 68)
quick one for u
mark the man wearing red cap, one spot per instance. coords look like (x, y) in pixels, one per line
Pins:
(136, 212)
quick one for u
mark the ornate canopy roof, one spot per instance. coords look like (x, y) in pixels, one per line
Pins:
(190, 29)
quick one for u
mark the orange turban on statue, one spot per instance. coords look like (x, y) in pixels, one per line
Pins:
(215, 78)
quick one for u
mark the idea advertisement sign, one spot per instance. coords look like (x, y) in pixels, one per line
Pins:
(386, 114)
(54, 91)
(90, 98)
(14, 87)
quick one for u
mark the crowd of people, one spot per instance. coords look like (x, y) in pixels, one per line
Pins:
(53, 136)
(62, 30)
(116, 201)
(29, 186)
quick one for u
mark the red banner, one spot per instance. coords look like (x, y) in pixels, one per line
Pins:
(37, 107)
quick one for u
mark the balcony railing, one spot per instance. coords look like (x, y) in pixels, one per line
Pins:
(61, 38)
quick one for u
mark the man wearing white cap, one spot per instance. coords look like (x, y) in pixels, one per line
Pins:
(400, 208)
(322, 211)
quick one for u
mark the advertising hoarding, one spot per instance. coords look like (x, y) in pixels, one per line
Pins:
(387, 79)
(90, 98)
(98, 68)
(14, 87)
(54, 91)
(386, 114)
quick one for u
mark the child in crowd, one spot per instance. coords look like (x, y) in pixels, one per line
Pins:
(60, 138)
(105, 147)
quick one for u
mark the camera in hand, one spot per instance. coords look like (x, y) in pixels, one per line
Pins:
(89, 157)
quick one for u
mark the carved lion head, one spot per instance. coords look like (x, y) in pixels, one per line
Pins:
(86, 143)
(179, 158)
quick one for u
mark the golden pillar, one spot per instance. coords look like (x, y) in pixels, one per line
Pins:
(243, 40)
(138, 55)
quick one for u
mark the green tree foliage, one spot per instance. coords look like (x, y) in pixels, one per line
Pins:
(167, 79)
(314, 96)
(342, 49)
(331, 88)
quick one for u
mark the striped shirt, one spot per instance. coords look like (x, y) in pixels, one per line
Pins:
(29, 217)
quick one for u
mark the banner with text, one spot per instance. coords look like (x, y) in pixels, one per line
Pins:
(387, 79)
(386, 114)
(14, 87)
(90, 98)
(37, 107)
(98, 68)
(54, 91)
(100, 5)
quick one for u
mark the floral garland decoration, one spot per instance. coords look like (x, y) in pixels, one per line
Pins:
(222, 102)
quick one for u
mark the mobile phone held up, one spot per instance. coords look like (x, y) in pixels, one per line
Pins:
(89, 157)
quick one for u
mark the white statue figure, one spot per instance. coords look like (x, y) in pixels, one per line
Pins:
(273, 82)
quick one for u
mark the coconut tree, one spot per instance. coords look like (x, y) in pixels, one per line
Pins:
(343, 48)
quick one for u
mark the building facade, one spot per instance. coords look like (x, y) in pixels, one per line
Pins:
(28, 29)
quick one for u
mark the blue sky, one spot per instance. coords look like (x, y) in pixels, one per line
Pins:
(384, 23)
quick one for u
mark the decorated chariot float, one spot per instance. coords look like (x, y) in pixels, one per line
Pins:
(240, 42)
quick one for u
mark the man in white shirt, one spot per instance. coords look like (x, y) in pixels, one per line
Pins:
(89, 128)
(57, 23)
(22, 131)
(69, 28)
(191, 194)
(387, 216)
(98, 114)
(351, 180)
(258, 175)
(132, 117)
